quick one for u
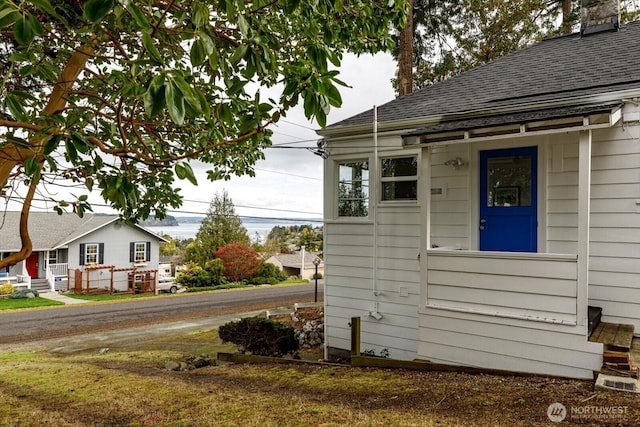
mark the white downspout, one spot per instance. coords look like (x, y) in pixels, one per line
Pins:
(302, 251)
(373, 184)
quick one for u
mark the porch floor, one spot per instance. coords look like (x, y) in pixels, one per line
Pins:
(615, 336)
(621, 350)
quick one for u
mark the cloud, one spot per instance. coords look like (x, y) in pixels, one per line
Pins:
(291, 179)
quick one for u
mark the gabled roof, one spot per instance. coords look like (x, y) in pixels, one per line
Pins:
(295, 260)
(570, 68)
(48, 230)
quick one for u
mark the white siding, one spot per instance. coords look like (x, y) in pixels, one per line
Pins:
(349, 281)
(614, 273)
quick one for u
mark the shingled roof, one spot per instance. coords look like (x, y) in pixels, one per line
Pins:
(48, 230)
(561, 68)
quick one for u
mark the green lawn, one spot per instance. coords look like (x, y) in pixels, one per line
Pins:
(14, 304)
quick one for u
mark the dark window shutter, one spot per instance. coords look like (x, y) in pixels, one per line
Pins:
(132, 251)
(148, 252)
(101, 253)
(82, 257)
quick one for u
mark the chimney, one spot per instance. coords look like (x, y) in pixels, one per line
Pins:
(599, 16)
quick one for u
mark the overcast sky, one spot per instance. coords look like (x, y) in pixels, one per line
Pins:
(288, 183)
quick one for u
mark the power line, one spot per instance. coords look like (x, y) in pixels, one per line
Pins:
(289, 174)
(259, 208)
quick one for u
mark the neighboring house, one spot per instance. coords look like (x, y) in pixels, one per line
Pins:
(92, 245)
(475, 221)
(292, 264)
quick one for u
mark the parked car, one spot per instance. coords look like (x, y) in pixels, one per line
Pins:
(167, 285)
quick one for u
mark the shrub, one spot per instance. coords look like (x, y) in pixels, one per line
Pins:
(262, 337)
(24, 293)
(240, 261)
(6, 289)
(215, 268)
(317, 276)
(193, 275)
(268, 274)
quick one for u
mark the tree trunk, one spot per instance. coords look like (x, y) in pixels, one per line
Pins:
(11, 156)
(405, 55)
(566, 16)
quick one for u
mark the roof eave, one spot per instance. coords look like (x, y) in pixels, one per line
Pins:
(414, 123)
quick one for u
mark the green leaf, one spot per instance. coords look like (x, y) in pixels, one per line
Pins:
(184, 171)
(8, 16)
(31, 166)
(188, 93)
(45, 6)
(23, 32)
(197, 54)
(238, 54)
(80, 143)
(175, 102)
(141, 20)
(151, 48)
(154, 98)
(95, 10)
(51, 144)
(16, 108)
(35, 25)
(72, 153)
(200, 15)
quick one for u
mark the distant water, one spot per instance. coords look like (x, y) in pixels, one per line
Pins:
(261, 227)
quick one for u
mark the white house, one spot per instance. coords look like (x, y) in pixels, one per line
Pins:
(476, 221)
(299, 264)
(94, 251)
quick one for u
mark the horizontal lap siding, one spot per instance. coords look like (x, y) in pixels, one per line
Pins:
(475, 340)
(614, 279)
(614, 276)
(544, 289)
(349, 285)
(450, 213)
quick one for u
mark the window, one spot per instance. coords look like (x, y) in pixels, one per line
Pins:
(353, 189)
(139, 252)
(91, 253)
(399, 178)
(53, 257)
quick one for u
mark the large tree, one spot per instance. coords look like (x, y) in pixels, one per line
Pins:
(451, 36)
(220, 227)
(119, 95)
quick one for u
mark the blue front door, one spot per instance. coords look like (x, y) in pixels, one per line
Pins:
(508, 200)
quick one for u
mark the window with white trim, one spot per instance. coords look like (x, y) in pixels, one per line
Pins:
(139, 252)
(91, 253)
(53, 257)
(399, 178)
(353, 189)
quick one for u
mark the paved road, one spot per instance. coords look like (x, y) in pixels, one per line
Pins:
(33, 325)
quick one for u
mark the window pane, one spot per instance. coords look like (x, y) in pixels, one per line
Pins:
(91, 254)
(353, 189)
(509, 181)
(402, 166)
(401, 190)
(141, 252)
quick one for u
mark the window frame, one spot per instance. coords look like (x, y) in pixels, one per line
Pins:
(87, 246)
(393, 179)
(364, 183)
(140, 247)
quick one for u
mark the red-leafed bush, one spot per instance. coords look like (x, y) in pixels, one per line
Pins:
(240, 261)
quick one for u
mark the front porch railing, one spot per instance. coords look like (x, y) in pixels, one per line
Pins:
(57, 273)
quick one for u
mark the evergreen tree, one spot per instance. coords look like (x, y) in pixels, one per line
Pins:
(220, 227)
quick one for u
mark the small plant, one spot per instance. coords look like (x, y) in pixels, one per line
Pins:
(6, 289)
(317, 276)
(262, 337)
(24, 293)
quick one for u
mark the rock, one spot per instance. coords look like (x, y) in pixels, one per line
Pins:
(103, 350)
(172, 366)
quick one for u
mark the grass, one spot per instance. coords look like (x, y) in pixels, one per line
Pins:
(107, 297)
(15, 304)
(128, 386)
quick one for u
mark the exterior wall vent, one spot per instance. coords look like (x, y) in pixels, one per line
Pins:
(609, 382)
(599, 16)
